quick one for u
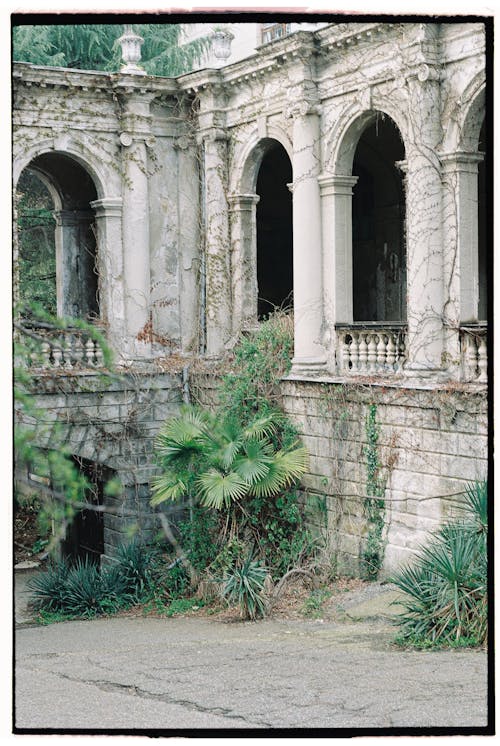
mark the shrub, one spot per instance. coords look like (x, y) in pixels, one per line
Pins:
(244, 587)
(137, 569)
(446, 586)
(48, 589)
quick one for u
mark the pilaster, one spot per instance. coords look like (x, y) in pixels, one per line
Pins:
(243, 259)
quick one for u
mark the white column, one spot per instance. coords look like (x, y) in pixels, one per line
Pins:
(424, 227)
(108, 217)
(218, 282)
(307, 253)
(243, 259)
(461, 250)
(336, 212)
(136, 125)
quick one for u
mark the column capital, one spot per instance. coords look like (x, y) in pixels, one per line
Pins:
(461, 160)
(72, 217)
(214, 134)
(242, 201)
(107, 207)
(336, 184)
(302, 108)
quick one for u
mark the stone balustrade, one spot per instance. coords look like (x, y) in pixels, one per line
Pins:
(370, 349)
(474, 353)
(64, 350)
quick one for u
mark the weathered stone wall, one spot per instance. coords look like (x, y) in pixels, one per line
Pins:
(432, 442)
(111, 421)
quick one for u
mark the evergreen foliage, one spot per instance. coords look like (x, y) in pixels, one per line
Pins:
(94, 47)
(446, 586)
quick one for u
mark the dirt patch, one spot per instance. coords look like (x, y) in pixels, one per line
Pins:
(26, 533)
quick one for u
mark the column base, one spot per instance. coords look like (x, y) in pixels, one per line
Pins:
(308, 366)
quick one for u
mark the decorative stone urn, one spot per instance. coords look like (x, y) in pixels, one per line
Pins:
(131, 51)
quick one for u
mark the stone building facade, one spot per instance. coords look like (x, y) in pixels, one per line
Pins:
(340, 171)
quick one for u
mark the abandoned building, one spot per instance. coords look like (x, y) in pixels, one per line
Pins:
(336, 169)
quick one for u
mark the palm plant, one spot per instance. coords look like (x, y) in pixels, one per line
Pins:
(446, 587)
(244, 587)
(220, 462)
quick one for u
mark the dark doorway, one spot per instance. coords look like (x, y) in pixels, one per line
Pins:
(378, 226)
(85, 536)
(274, 232)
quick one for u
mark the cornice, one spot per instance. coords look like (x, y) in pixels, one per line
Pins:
(26, 74)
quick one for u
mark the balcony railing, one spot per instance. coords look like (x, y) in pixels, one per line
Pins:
(60, 349)
(474, 353)
(370, 349)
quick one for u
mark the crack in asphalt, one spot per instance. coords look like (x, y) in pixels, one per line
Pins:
(135, 691)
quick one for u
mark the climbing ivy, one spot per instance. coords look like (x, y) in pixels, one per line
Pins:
(373, 552)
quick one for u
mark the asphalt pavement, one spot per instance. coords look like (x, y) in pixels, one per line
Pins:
(189, 675)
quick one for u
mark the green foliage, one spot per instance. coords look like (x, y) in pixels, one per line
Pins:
(137, 569)
(94, 47)
(36, 241)
(198, 537)
(218, 461)
(182, 605)
(446, 585)
(313, 605)
(261, 359)
(244, 587)
(372, 555)
(86, 590)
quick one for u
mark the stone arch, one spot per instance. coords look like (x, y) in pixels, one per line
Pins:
(465, 117)
(73, 192)
(257, 285)
(248, 158)
(72, 148)
(344, 136)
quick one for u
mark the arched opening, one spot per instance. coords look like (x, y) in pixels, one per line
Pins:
(36, 241)
(378, 220)
(53, 201)
(274, 231)
(482, 228)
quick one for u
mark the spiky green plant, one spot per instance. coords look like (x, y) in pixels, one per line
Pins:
(136, 568)
(219, 461)
(244, 587)
(48, 589)
(446, 586)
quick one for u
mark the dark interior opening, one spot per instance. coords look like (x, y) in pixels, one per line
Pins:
(482, 229)
(378, 226)
(274, 232)
(85, 535)
(75, 265)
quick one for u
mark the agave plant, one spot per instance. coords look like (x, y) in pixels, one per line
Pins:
(244, 587)
(446, 586)
(219, 461)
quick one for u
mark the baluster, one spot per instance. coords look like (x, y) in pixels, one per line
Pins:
(78, 351)
(401, 351)
(68, 353)
(381, 351)
(372, 353)
(391, 352)
(345, 352)
(99, 357)
(89, 352)
(57, 355)
(482, 361)
(363, 352)
(45, 355)
(354, 352)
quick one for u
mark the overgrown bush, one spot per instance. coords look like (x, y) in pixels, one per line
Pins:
(83, 589)
(244, 587)
(446, 586)
(240, 464)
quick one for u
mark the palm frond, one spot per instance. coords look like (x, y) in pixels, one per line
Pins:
(168, 487)
(218, 490)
